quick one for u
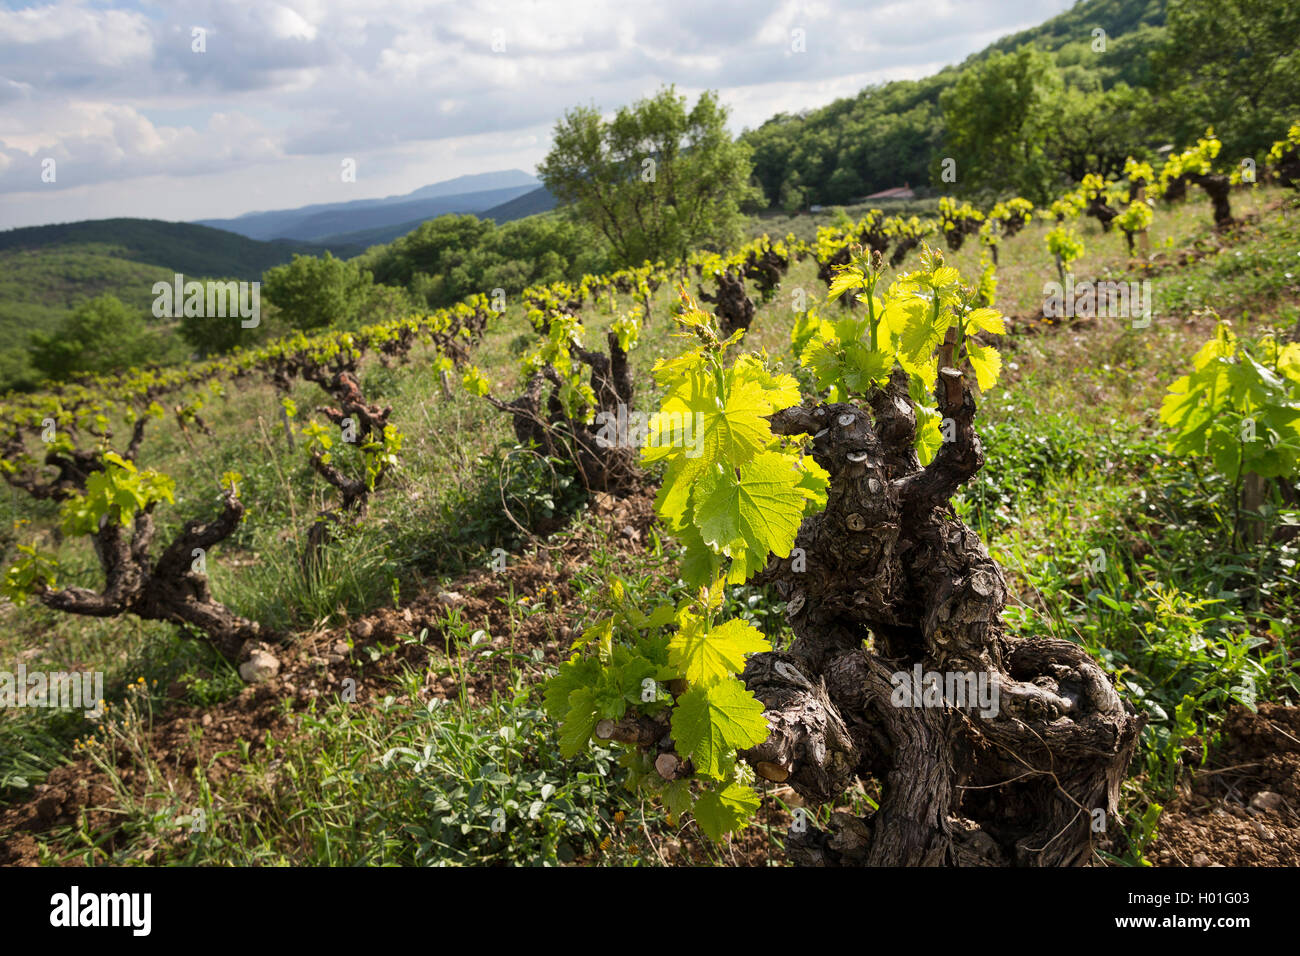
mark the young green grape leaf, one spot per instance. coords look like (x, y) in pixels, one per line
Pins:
(579, 722)
(751, 510)
(712, 721)
(986, 362)
(703, 654)
(724, 811)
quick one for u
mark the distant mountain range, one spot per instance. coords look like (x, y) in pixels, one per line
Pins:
(534, 201)
(476, 194)
(179, 246)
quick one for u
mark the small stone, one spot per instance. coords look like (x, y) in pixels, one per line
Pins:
(1266, 800)
(259, 667)
(206, 720)
(1264, 832)
(449, 597)
(1201, 859)
(361, 628)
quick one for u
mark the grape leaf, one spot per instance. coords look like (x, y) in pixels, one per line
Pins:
(579, 722)
(986, 320)
(751, 510)
(719, 812)
(712, 721)
(986, 362)
(704, 654)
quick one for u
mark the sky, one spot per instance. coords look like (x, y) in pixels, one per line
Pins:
(194, 109)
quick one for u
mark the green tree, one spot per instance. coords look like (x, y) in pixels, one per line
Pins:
(209, 335)
(1232, 64)
(1091, 131)
(657, 180)
(313, 292)
(101, 335)
(996, 116)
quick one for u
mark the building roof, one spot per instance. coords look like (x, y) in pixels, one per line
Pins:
(898, 192)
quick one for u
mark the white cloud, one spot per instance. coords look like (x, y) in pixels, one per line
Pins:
(411, 89)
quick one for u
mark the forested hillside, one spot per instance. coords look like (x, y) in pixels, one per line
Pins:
(1102, 80)
(46, 271)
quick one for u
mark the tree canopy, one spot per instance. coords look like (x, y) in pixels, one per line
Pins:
(101, 335)
(657, 180)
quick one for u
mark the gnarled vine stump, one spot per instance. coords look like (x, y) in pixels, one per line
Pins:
(734, 309)
(174, 588)
(887, 579)
(540, 419)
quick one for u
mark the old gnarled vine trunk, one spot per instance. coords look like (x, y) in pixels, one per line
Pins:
(540, 419)
(885, 580)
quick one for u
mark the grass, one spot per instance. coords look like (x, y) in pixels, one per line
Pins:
(1103, 537)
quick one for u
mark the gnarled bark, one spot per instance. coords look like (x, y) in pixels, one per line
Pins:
(170, 589)
(885, 580)
(540, 419)
(1217, 187)
(734, 309)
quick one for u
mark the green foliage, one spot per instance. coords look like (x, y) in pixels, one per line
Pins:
(31, 569)
(745, 492)
(626, 663)
(313, 293)
(657, 180)
(101, 335)
(1091, 130)
(1234, 64)
(451, 257)
(48, 271)
(1239, 407)
(853, 356)
(1135, 218)
(115, 494)
(381, 454)
(997, 116)
(1064, 244)
(880, 138)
